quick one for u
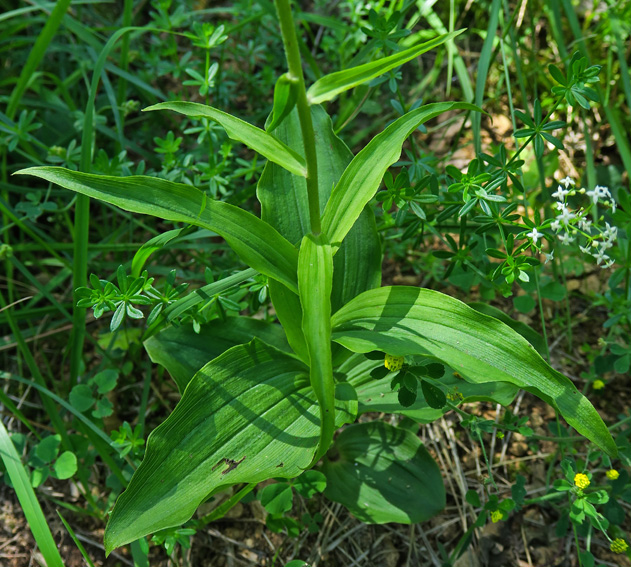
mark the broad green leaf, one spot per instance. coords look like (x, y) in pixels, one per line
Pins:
(183, 352)
(289, 312)
(362, 177)
(247, 416)
(406, 320)
(534, 338)
(328, 87)
(255, 241)
(383, 474)
(315, 280)
(255, 138)
(357, 263)
(284, 205)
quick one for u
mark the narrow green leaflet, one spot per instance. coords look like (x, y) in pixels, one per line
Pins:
(315, 280)
(328, 87)
(255, 138)
(149, 247)
(285, 96)
(183, 352)
(289, 312)
(362, 177)
(255, 241)
(406, 320)
(384, 474)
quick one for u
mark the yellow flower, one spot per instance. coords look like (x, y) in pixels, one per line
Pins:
(612, 474)
(581, 480)
(496, 516)
(598, 384)
(455, 396)
(393, 363)
(618, 545)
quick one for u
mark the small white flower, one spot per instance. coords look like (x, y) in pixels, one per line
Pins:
(556, 226)
(609, 263)
(549, 257)
(560, 193)
(597, 193)
(604, 191)
(584, 224)
(567, 182)
(611, 232)
(606, 244)
(565, 217)
(584, 249)
(535, 235)
(566, 238)
(560, 205)
(601, 257)
(612, 204)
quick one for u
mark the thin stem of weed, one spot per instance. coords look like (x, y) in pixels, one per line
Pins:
(542, 315)
(578, 549)
(566, 302)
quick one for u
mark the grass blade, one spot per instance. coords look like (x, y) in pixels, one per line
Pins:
(26, 495)
(329, 86)
(76, 540)
(483, 70)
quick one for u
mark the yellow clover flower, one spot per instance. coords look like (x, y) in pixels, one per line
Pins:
(496, 516)
(393, 363)
(612, 474)
(581, 481)
(618, 545)
(598, 384)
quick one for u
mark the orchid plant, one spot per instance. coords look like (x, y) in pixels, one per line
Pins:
(261, 400)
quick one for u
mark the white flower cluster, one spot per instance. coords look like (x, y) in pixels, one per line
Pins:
(570, 225)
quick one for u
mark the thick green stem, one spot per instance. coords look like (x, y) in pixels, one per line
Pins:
(294, 63)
